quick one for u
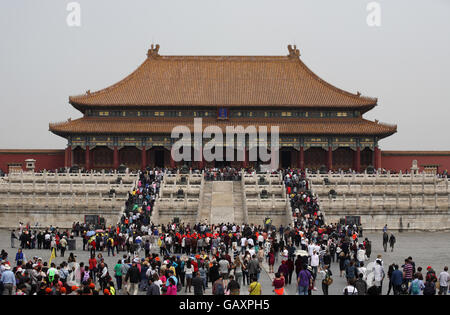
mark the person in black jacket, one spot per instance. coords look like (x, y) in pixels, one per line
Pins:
(198, 284)
(153, 288)
(133, 278)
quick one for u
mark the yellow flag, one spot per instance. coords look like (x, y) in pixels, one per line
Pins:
(53, 255)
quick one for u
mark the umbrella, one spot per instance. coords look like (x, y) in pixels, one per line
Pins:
(90, 233)
(99, 231)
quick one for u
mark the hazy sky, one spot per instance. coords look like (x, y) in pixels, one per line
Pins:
(405, 62)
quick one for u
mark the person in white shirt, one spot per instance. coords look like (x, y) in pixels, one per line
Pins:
(243, 244)
(378, 275)
(361, 255)
(350, 290)
(362, 270)
(311, 248)
(315, 263)
(443, 278)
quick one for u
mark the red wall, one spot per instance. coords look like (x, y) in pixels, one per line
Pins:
(402, 160)
(45, 159)
(390, 160)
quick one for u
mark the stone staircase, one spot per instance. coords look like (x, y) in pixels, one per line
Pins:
(238, 203)
(222, 206)
(205, 208)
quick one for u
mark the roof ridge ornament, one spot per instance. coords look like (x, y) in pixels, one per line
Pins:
(153, 51)
(293, 51)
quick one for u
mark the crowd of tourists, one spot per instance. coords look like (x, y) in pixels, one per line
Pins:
(221, 174)
(228, 258)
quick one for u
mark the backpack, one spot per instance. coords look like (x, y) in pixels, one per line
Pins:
(429, 288)
(86, 276)
(51, 275)
(415, 289)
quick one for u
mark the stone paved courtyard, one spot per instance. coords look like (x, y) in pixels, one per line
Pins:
(426, 248)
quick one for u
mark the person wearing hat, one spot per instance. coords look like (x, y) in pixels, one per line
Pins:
(304, 281)
(9, 280)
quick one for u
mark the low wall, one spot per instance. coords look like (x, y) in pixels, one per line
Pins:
(62, 218)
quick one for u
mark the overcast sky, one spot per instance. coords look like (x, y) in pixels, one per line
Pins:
(405, 62)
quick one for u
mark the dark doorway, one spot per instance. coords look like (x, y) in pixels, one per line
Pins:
(285, 159)
(315, 158)
(159, 158)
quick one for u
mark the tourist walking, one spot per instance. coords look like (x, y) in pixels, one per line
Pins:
(278, 284)
(443, 279)
(8, 280)
(198, 284)
(255, 287)
(13, 237)
(304, 281)
(327, 280)
(132, 278)
(385, 240)
(392, 242)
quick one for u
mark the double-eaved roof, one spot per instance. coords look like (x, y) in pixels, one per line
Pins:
(283, 82)
(145, 125)
(223, 81)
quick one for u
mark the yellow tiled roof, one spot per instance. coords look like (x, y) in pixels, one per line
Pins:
(146, 125)
(223, 81)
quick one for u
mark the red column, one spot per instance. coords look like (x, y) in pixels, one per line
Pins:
(143, 158)
(357, 159)
(66, 157)
(87, 164)
(116, 158)
(301, 160)
(330, 158)
(70, 156)
(245, 162)
(377, 156)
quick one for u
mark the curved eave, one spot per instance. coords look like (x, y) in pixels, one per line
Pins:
(82, 107)
(145, 125)
(108, 97)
